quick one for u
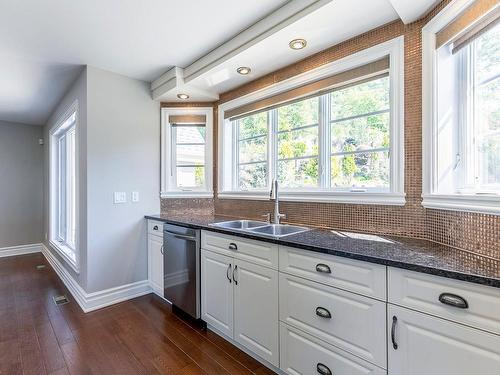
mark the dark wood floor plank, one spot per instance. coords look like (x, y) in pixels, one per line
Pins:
(140, 336)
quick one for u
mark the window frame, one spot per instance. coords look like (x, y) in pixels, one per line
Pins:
(460, 198)
(395, 196)
(168, 188)
(57, 143)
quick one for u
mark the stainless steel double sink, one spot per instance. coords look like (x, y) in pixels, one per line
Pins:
(261, 227)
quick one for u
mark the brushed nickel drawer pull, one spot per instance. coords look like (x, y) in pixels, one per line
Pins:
(155, 227)
(323, 268)
(323, 313)
(454, 300)
(323, 369)
(233, 246)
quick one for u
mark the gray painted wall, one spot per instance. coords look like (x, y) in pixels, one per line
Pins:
(78, 91)
(21, 184)
(123, 154)
(119, 150)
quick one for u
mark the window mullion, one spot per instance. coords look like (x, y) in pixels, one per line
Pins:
(324, 141)
(236, 155)
(272, 146)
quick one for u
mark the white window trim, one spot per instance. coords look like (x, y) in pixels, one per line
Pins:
(479, 203)
(166, 190)
(395, 49)
(60, 248)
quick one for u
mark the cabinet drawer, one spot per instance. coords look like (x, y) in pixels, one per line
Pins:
(155, 228)
(422, 292)
(258, 252)
(349, 321)
(360, 277)
(301, 354)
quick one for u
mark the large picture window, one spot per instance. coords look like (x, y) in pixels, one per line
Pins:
(461, 48)
(334, 134)
(63, 187)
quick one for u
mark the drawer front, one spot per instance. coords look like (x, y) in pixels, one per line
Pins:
(303, 354)
(354, 323)
(155, 228)
(257, 252)
(423, 293)
(356, 276)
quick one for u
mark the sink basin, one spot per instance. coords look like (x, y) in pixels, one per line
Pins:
(240, 224)
(278, 230)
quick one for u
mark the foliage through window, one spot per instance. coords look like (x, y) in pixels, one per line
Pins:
(339, 140)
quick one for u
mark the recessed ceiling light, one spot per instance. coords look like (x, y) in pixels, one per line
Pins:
(244, 70)
(297, 43)
(183, 96)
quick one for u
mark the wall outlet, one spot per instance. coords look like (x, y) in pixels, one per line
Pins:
(135, 196)
(120, 197)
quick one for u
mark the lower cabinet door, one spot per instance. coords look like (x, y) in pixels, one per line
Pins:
(256, 310)
(155, 263)
(217, 291)
(422, 344)
(305, 355)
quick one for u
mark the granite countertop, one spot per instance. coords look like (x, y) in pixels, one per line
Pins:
(408, 253)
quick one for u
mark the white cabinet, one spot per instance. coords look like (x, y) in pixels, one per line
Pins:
(240, 300)
(434, 346)
(256, 309)
(347, 320)
(302, 354)
(217, 291)
(155, 257)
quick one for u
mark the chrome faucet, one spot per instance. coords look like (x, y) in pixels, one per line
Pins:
(275, 195)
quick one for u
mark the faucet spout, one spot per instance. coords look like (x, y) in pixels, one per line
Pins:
(275, 195)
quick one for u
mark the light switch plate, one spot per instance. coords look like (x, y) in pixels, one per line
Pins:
(120, 197)
(135, 196)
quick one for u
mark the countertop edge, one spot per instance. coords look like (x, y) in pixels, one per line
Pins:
(472, 278)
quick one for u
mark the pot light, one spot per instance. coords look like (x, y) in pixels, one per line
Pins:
(297, 43)
(244, 70)
(183, 96)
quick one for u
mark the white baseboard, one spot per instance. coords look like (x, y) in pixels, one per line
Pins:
(96, 300)
(20, 250)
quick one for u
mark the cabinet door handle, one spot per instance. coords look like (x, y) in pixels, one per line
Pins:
(233, 246)
(161, 250)
(393, 332)
(234, 272)
(323, 268)
(454, 300)
(228, 272)
(323, 369)
(323, 313)
(155, 227)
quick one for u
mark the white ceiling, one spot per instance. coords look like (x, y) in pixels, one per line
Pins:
(44, 43)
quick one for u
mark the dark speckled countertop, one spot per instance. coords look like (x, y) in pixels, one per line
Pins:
(413, 254)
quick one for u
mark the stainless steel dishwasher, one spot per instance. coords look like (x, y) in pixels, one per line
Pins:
(181, 268)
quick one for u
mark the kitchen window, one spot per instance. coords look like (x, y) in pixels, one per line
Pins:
(334, 138)
(63, 187)
(186, 152)
(462, 118)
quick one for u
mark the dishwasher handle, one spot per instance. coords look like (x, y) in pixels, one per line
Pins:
(180, 236)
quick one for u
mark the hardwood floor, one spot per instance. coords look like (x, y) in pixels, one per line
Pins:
(140, 336)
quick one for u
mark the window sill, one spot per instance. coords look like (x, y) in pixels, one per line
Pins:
(187, 194)
(484, 204)
(62, 250)
(389, 199)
